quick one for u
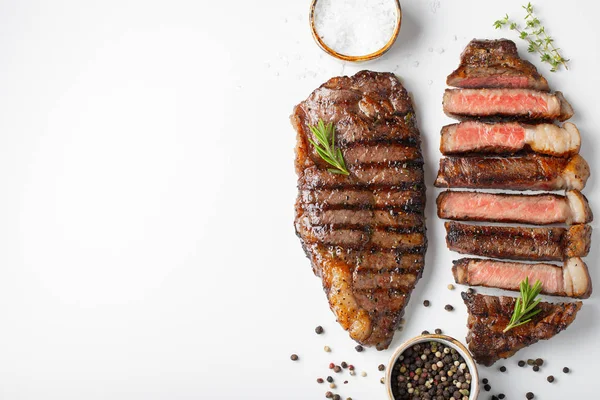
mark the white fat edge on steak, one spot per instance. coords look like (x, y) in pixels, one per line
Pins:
(576, 173)
(576, 278)
(580, 209)
(552, 139)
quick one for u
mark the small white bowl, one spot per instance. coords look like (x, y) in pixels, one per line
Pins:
(445, 340)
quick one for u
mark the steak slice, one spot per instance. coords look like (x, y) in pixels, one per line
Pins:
(495, 64)
(523, 104)
(536, 209)
(489, 315)
(364, 233)
(509, 137)
(532, 172)
(571, 280)
(519, 243)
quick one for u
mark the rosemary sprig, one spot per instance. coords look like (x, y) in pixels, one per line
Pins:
(535, 34)
(525, 306)
(325, 146)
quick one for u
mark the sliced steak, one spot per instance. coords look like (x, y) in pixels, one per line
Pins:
(524, 104)
(489, 315)
(519, 243)
(571, 280)
(509, 138)
(536, 209)
(532, 172)
(364, 233)
(495, 64)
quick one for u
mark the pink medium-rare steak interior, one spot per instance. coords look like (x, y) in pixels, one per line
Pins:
(572, 279)
(538, 209)
(515, 103)
(509, 137)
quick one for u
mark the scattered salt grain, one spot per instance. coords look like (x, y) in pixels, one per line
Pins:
(355, 27)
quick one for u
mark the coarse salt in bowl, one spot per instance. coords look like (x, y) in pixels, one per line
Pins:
(446, 341)
(355, 30)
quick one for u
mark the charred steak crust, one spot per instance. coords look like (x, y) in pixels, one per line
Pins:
(364, 233)
(519, 243)
(495, 63)
(489, 315)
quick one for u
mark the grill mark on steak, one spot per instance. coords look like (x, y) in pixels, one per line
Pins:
(533, 172)
(572, 279)
(489, 315)
(536, 209)
(523, 104)
(364, 233)
(519, 243)
(494, 64)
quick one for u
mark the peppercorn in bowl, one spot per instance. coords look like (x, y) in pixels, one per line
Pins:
(431, 367)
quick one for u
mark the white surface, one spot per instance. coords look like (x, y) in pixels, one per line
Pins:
(147, 189)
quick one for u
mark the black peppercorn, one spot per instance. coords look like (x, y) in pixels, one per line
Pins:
(359, 348)
(521, 363)
(329, 379)
(328, 395)
(381, 367)
(484, 380)
(426, 303)
(550, 379)
(337, 368)
(336, 397)
(438, 331)
(501, 396)
(503, 369)
(566, 370)
(319, 330)
(487, 388)
(529, 395)
(425, 332)
(344, 364)
(448, 307)
(536, 368)
(294, 357)
(539, 362)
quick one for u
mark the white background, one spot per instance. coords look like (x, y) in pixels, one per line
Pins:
(147, 248)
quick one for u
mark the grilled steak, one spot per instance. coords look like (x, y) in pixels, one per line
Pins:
(489, 315)
(530, 172)
(364, 233)
(495, 64)
(524, 104)
(572, 279)
(519, 243)
(509, 137)
(537, 209)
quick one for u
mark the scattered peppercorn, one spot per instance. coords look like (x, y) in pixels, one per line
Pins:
(349, 398)
(328, 395)
(344, 364)
(336, 397)
(529, 395)
(425, 332)
(331, 365)
(450, 287)
(363, 374)
(345, 382)
(530, 362)
(550, 379)
(503, 369)
(329, 379)
(438, 331)
(521, 363)
(566, 370)
(319, 330)
(381, 367)
(327, 349)
(448, 307)
(484, 380)
(426, 303)
(487, 388)
(501, 396)
(382, 380)
(351, 367)
(494, 397)
(539, 362)
(536, 368)
(332, 385)
(337, 369)
(359, 348)
(319, 380)
(352, 372)
(294, 357)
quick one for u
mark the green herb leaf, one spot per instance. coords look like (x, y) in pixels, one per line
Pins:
(325, 147)
(535, 34)
(525, 305)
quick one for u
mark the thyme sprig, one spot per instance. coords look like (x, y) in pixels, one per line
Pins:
(525, 306)
(325, 147)
(535, 34)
